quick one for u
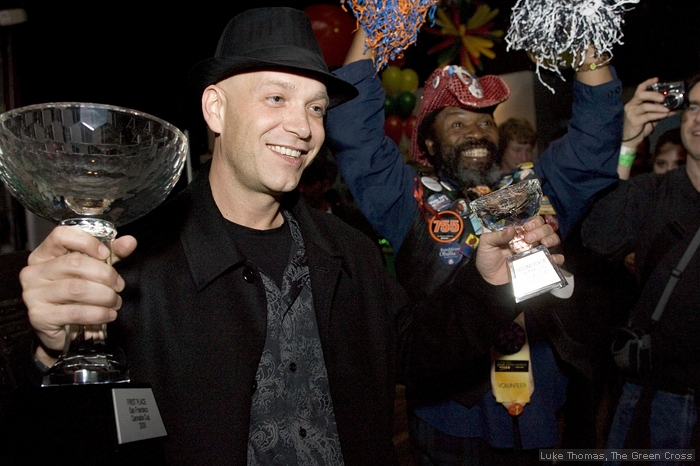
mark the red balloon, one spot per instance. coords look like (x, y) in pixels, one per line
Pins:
(409, 125)
(333, 28)
(393, 127)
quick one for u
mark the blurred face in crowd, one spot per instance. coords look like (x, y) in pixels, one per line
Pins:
(669, 156)
(514, 154)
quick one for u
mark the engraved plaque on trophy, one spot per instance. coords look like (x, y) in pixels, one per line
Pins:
(532, 268)
(94, 167)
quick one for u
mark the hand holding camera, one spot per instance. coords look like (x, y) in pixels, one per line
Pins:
(675, 96)
(652, 101)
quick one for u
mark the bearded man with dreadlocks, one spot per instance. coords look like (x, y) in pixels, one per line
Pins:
(457, 418)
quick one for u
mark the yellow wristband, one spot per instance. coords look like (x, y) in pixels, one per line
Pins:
(627, 156)
(603, 60)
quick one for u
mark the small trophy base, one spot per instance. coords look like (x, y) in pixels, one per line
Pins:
(534, 272)
(98, 424)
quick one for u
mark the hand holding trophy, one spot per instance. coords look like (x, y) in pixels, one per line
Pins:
(91, 166)
(532, 268)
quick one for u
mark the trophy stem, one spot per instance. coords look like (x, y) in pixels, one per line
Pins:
(518, 244)
(86, 358)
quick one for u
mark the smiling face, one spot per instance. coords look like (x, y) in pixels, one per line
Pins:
(270, 129)
(690, 124)
(463, 146)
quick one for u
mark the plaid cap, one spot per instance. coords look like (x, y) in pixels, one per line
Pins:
(454, 86)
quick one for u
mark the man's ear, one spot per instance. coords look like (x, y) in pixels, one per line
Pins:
(429, 147)
(213, 107)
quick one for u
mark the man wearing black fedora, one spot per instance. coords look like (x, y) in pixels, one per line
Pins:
(271, 332)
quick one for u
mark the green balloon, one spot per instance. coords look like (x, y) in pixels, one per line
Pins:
(405, 102)
(389, 105)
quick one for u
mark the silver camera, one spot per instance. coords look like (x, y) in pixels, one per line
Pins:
(675, 95)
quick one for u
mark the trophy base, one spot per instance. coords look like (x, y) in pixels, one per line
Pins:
(98, 368)
(534, 272)
(98, 424)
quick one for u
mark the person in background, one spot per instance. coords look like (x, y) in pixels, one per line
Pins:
(516, 144)
(655, 216)
(670, 152)
(270, 331)
(454, 416)
(668, 155)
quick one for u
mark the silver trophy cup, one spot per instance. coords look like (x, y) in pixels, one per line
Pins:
(532, 268)
(94, 167)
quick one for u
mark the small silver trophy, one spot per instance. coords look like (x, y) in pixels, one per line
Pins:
(532, 268)
(91, 166)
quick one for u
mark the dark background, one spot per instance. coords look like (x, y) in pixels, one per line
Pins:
(137, 54)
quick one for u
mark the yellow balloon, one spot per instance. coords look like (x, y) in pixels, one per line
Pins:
(409, 80)
(391, 80)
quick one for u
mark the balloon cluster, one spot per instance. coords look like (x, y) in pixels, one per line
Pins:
(400, 86)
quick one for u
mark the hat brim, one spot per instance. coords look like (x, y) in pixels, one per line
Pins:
(214, 70)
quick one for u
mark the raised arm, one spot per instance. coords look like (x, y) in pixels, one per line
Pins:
(642, 112)
(370, 163)
(577, 166)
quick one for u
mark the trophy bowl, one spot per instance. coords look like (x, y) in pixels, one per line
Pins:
(512, 206)
(95, 167)
(533, 271)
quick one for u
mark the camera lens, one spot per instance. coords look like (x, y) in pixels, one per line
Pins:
(673, 100)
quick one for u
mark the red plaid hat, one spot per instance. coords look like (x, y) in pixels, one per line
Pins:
(454, 86)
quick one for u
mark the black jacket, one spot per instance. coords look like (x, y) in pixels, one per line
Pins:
(193, 326)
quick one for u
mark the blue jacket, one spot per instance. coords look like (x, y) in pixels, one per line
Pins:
(573, 169)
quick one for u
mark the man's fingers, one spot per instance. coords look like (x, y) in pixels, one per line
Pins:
(50, 320)
(70, 265)
(68, 293)
(122, 248)
(64, 239)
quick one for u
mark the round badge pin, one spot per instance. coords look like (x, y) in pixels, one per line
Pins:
(446, 227)
(461, 207)
(449, 253)
(439, 201)
(449, 184)
(431, 183)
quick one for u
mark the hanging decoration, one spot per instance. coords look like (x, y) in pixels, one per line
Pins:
(464, 43)
(557, 33)
(391, 25)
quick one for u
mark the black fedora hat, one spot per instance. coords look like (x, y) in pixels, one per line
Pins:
(276, 38)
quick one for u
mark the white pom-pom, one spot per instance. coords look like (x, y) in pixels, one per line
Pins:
(557, 33)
